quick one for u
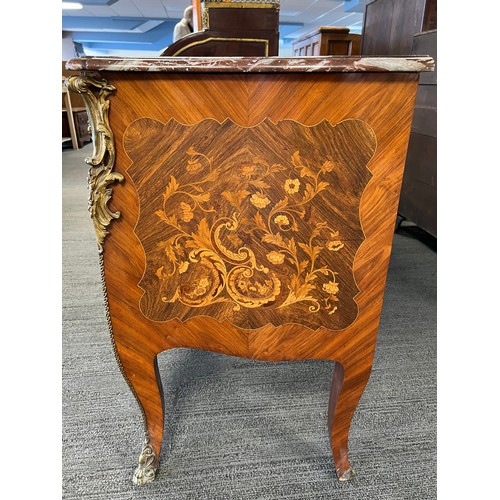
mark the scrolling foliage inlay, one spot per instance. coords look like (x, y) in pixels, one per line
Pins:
(253, 225)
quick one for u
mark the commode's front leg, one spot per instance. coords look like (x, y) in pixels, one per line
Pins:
(143, 377)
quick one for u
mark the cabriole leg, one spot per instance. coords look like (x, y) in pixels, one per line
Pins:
(144, 379)
(348, 385)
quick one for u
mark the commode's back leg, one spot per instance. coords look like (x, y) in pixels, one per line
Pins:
(349, 382)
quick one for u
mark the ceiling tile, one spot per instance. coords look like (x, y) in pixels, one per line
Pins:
(152, 8)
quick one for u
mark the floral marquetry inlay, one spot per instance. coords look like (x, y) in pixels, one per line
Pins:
(253, 225)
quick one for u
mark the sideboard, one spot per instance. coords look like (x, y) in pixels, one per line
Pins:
(246, 206)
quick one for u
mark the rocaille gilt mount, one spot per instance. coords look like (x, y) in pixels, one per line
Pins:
(101, 174)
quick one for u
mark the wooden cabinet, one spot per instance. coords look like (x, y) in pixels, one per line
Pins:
(400, 27)
(326, 41)
(252, 204)
(418, 199)
(389, 25)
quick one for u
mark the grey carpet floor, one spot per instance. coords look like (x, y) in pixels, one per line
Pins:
(237, 428)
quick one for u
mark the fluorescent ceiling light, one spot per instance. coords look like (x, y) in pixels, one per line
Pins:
(72, 6)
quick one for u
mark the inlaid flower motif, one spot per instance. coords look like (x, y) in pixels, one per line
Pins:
(331, 287)
(186, 212)
(259, 200)
(292, 186)
(334, 245)
(242, 285)
(248, 171)
(194, 166)
(282, 220)
(275, 257)
(204, 283)
(183, 267)
(201, 287)
(328, 166)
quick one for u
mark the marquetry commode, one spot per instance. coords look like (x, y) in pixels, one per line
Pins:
(246, 206)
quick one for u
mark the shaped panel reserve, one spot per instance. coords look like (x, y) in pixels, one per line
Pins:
(253, 225)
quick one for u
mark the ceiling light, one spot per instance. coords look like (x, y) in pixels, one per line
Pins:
(72, 6)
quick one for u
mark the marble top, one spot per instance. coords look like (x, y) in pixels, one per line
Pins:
(323, 64)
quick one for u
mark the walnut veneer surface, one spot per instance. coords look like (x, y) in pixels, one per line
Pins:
(247, 207)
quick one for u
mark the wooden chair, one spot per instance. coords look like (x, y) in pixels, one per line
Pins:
(71, 120)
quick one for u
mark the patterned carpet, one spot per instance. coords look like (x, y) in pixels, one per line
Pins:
(242, 429)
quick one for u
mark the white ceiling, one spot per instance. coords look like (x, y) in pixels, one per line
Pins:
(139, 27)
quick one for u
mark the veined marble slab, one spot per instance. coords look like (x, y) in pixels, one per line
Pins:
(323, 64)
